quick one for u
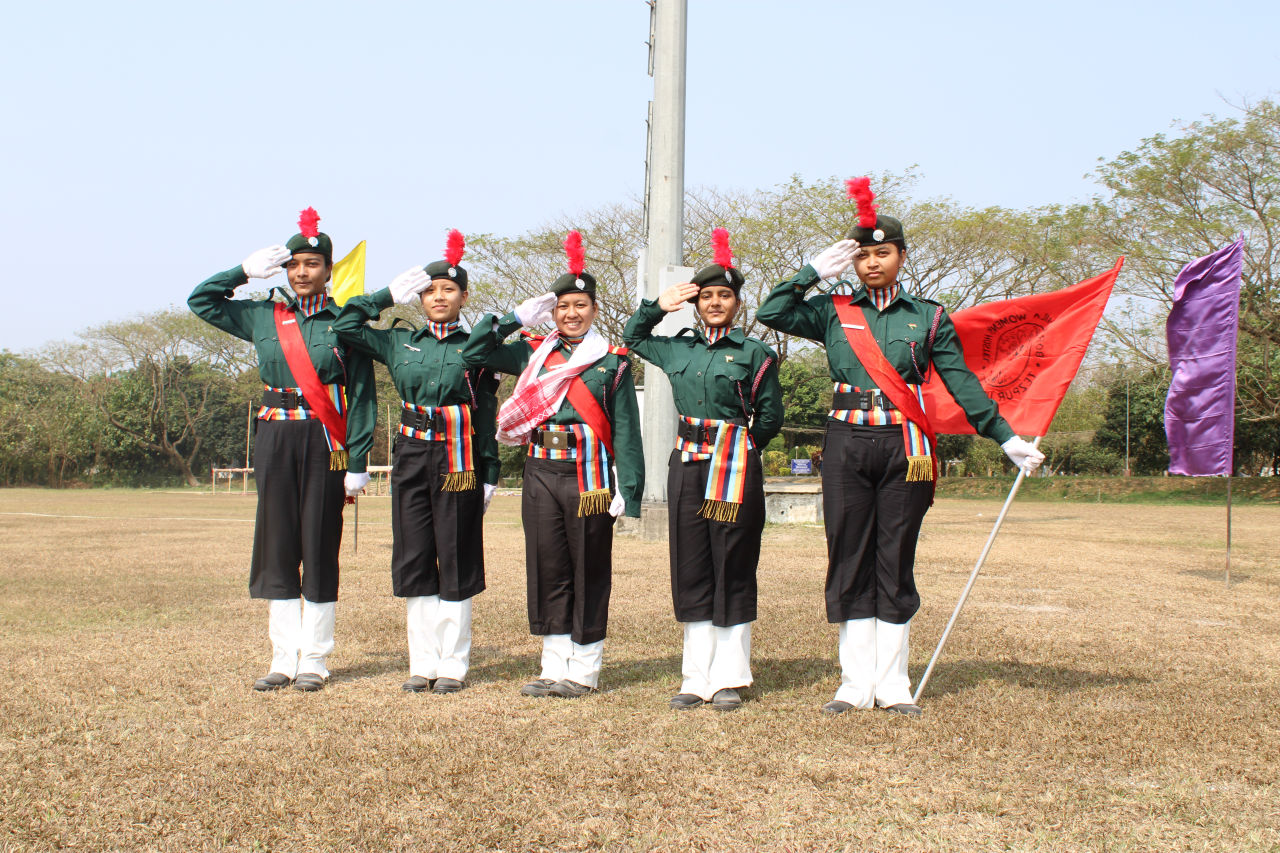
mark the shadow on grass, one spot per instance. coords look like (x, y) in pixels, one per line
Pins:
(1216, 575)
(959, 676)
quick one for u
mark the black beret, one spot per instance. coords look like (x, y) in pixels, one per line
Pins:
(717, 274)
(570, 283)
(887, 230)
(319, 244)
(443, 269)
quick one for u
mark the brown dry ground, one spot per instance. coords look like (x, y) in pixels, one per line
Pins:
(1103, 691)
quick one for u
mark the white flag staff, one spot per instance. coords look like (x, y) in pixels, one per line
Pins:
(973, 577)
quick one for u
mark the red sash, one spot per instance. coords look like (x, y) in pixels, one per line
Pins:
(581, 398)
(304, 373)
(863, 343)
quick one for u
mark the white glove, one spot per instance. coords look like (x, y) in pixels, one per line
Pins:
(489, 490)
(406, 286)
(536, 311)
(355, 483)
(1022, 453)
(617, 506)
(835, 259)
(265, 263)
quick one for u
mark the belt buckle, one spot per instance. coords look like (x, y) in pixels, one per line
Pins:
(556, 440)
(289, 399)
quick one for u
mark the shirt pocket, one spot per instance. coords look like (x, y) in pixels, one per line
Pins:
(731, 379)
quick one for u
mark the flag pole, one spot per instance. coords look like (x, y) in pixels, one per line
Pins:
(355, 530)
(973, 577)
(1228, 576)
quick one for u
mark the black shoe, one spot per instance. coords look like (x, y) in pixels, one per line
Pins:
(416, 684)
(836, 707)
(906, 709)
(538, 687)
(309, 682)
(567, 689)
(685, 701)
(726, 700)
(272, 681)
(447, 685)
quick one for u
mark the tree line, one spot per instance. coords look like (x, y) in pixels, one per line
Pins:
(163, 397)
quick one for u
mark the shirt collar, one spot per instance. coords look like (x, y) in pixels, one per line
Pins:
(881, 298)
(308, 306)
(441, 330)
(713, 335)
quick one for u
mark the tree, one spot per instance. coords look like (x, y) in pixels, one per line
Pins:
(1142, 400)
(1176, 198)
(160, 379)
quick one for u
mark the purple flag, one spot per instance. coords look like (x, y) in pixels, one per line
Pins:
(1200, 411)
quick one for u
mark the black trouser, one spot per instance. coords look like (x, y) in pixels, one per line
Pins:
(713, 563)
(299, 513)
(437, 536)
(568, 559)
(872, 515)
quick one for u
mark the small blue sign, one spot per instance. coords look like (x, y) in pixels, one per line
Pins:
(801, 466)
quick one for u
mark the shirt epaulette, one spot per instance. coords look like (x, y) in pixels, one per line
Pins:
(618, 350)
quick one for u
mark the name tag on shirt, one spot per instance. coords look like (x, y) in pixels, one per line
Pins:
(415, 349)
(851, 326)
(290, 322)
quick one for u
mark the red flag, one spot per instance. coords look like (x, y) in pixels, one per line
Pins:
(1025, 352)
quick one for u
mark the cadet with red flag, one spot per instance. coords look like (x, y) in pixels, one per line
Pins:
(879, 465)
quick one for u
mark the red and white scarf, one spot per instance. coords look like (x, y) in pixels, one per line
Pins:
(537, 398)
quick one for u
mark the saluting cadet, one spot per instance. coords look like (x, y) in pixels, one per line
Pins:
(574, 404)
(878, 466)
(445, 463)
(314, 431)
(729, 404)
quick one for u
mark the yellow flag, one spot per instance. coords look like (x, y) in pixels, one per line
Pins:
(348, 276)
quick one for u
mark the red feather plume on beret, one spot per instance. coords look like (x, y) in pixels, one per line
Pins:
(573, 250)
(454, 247)
(723, 255)
(309, 223)
(859, 189)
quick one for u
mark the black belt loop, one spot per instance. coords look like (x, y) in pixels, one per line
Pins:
(422, 421)
(287, 399)
(553, 439)
(702, 433)
(861, 401)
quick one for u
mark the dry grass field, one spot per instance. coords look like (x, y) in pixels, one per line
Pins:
(1103, 691)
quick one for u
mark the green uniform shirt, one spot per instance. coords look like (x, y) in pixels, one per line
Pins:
(485, 348)
(735, 377)
(427, 371)
(335, 363)
(904, 321)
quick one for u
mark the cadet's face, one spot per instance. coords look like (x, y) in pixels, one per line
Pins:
(308, 273)
(443, 299)
(877, 266)
(716, 305)
(573, 314)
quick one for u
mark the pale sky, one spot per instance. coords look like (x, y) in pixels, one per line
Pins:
(147, 145)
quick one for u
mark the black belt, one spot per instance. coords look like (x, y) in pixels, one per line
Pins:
(701, 433)
(423, 421)
(861, 400)
(284, 400)
(553, 439)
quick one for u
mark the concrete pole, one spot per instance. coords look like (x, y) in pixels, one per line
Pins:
(664, 218)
